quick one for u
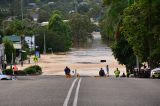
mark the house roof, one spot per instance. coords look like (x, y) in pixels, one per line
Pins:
(13, 38)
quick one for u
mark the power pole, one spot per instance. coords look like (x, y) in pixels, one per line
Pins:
(44, 50)
(22, 9)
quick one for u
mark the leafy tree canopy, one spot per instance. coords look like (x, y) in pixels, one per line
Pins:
(140, 25)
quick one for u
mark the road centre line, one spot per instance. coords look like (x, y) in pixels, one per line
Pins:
(76, 94)
(69, 93)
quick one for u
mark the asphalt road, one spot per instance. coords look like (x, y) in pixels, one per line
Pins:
(84, 91)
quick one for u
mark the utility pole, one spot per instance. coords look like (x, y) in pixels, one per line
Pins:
(44, 50)
(137, 62)
(22, 9)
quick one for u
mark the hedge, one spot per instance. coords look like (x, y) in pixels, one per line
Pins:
(8, 72)
(33, 70)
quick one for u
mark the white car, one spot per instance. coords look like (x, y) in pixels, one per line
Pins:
(155, 73)
(4, 77)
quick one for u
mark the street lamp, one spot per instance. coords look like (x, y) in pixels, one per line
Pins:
(44, 39)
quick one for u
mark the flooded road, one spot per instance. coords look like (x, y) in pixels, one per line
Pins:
(85, 60)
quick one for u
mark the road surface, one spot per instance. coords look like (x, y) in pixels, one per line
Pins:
(83, 91)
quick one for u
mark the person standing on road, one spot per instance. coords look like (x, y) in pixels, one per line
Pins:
(117, 72)
(107, 69)
(15, 68)
(67, 72)
(102, 73)
(35, 59)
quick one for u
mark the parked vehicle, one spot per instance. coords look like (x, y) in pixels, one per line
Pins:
(5, 77)
(155, 73)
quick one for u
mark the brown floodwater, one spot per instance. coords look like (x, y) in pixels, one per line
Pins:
(86, 60)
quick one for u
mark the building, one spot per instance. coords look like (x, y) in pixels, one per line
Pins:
(16, 42)
(30, 40)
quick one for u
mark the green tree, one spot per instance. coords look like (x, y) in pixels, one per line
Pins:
(61, 31)
(83, 8)
(18, 27)
(113, 16)
(9, 49)
(81, 28)
(124, 54)
(43, 15)
(140, 26)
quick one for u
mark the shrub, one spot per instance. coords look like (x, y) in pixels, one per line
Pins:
(37, 68)
(30, 71)
(8, 72)
(20, 72)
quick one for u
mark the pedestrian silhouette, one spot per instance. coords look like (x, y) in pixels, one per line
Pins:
(107, 69)
(102, 73)
(67, 72)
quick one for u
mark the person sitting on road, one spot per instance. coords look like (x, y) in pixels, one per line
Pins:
(67, 72)
(102, 73)
(123, 75)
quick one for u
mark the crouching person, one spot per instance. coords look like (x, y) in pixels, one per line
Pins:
(102, 73)
(67, 72)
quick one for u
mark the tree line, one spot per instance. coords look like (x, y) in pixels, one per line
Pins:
(134, 24)
(63, 31)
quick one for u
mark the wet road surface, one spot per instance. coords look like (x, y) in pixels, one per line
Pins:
(83, 91)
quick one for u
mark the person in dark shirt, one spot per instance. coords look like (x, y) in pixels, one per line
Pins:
(102, 73)
(67, 72)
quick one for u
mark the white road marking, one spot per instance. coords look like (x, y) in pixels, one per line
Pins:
(69, 93)
(76, 94)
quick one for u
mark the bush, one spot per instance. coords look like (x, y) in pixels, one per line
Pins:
(37, 68)
(8, 72)
(33, 70)
(30, 71)
(20, 72)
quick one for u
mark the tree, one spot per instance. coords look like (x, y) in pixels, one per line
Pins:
(95, 11)
(81, 28)
(19, 27)
(113, 16)
(61, 32)
(124, 54)
(83, 8)
(140, 26)
(43, 15)
(9, 49)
